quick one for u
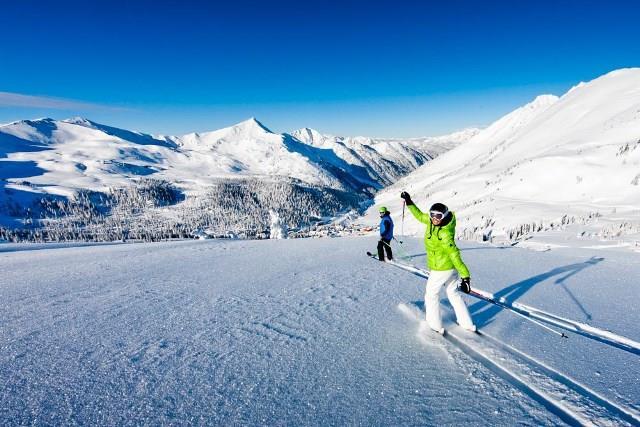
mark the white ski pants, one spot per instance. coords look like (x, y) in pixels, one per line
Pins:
(448, 279)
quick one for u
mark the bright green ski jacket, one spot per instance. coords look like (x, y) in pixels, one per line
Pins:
(442, 252)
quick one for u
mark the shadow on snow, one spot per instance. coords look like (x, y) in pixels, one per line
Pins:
(484, 313)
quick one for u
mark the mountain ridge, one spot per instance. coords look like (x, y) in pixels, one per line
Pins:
(248, 147)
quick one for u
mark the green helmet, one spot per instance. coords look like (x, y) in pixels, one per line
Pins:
(383, 209)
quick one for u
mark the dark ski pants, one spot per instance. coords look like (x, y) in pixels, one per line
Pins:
(384, 245)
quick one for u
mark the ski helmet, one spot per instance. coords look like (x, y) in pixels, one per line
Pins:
(383, 209)
(439, 211)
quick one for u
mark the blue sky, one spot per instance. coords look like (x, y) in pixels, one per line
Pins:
(350, 68)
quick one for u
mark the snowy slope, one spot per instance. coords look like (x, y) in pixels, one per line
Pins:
(249, 148)
(385, 159)
(79, 154)
(60, 157)
(572, 160)
(226, 180)
(184, 333)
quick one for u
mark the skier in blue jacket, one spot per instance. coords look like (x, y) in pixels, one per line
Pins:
(386, 234)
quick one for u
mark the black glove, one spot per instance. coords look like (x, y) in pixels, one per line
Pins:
(407, 198)
(465, 285)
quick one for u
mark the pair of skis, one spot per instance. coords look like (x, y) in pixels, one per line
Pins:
(480, 295)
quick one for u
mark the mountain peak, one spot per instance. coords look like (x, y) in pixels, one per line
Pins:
(311, 136)
(251, 124)
(77, 120)
(35, 121)
(42, 122)
(250, 129)
(306, 131)
(545, 99)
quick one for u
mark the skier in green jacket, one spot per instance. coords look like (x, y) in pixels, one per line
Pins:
(445, 263)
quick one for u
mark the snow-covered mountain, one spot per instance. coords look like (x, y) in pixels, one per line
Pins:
(61, 158)
(553, 162)
(384, 159)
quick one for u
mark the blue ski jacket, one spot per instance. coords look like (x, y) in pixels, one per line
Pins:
(386, 227)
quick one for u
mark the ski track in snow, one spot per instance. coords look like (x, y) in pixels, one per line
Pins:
(574, 403)
(237, 332)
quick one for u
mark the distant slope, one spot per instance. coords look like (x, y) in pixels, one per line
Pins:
(553, 162)
(79, 154)
(60, 157)
(99, 169)
(384, 159)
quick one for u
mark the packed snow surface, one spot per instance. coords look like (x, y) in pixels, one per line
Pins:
(305, 332)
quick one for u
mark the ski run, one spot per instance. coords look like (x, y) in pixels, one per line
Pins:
(310, 332)
(570, 400)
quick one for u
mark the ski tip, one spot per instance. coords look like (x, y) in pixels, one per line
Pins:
(369, 253)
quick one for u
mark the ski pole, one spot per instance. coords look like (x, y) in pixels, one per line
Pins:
(403, 253)
(499, 304)
(404, 203)
(401, 250)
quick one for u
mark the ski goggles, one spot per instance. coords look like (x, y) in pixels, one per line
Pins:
(437, 214)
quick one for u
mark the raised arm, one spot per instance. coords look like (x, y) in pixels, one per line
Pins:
(415, 211)
(418, 214)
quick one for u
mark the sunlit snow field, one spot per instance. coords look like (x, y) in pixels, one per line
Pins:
(293, 332)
